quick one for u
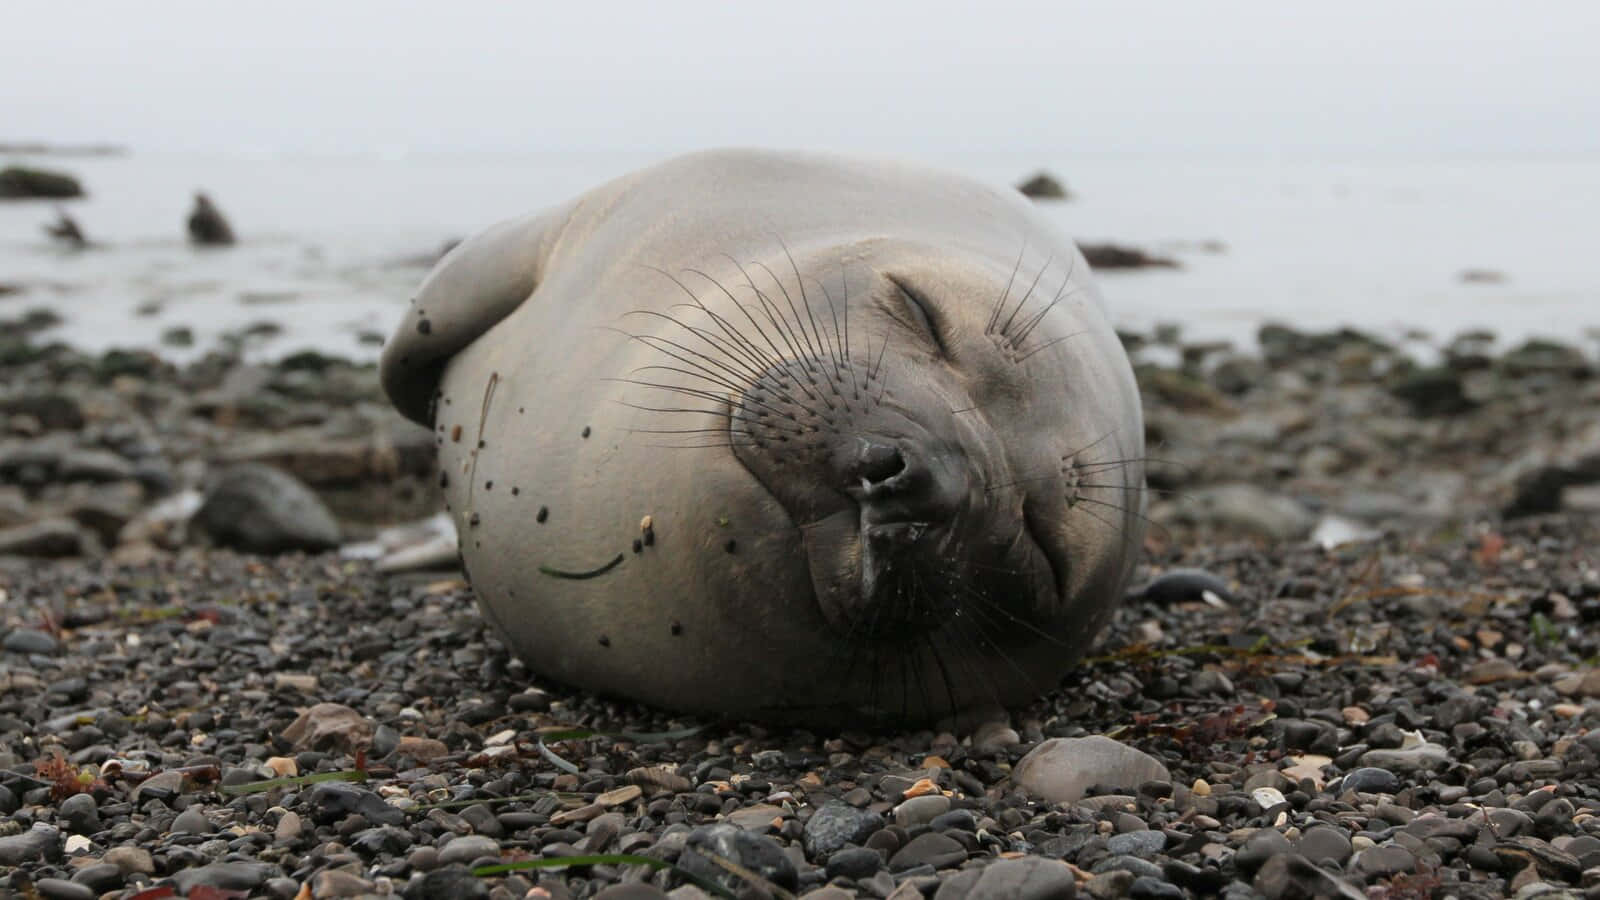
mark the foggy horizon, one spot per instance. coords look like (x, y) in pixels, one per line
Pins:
(894, 78)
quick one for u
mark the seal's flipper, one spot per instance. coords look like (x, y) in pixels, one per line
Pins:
(476, 285)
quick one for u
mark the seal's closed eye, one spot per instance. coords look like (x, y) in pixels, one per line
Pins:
(919, 311)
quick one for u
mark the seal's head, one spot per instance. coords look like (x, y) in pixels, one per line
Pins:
(956, 442)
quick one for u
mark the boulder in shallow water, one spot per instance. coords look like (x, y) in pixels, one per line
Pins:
(1116, 256)
(258, 509)
(1043, 186)
(207, 226)
(21, 183)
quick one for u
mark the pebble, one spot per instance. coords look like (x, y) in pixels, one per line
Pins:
(931, 849)
(30, 640)
(30, 846)
(79, 814)
(1324, 843)
(1061, 770)
(1027, 878)
(921, 810)
(854, 862)
(468, 848)
(61, 889)
(752, 851)
(837, 824)
(1371, 780)
(1142, 844)
(130, 860)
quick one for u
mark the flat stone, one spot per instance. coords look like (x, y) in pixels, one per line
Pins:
(921, 810)
(1061, 770)
(1371, 780)
(931, 849)
(1143, 844)
(37, 843)
(1324, 843)
(62, 889)
(229, 876)
(130, 860)
(192, 821)
(1374, 863)
(1026, 878)
(30, 640)
(468, 848)
(854, 862)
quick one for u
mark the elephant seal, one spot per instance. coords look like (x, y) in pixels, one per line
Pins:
(782, 436)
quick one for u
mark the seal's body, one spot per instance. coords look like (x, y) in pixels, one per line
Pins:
(782, 436)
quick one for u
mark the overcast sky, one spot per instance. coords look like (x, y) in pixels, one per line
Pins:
(1108, 76)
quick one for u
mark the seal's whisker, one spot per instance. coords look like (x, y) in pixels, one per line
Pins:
(702, 334)
(710, 364)
(1023, 302)
(1047, 345)
(989, 606)
(980, 609)
(789, 361)
(694, 392)
(1061, 294)
(777, 358)
(796, 328)
(1125, 510)
(697, 303)
(805, 299)
(748, 349)
(994, 316)
(799, 323)
(708, 445)
(1137, 488)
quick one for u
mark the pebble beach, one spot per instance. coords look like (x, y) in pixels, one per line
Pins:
(1359, 661)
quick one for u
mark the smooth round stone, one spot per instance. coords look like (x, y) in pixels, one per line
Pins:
(1142, 844)
(854, 862)
(1325, 843)
(61, 889)
(1371, 780)
(1146, 888)
(100, 877)
(959, 819)
(933, 849)
(467, 848)
(1259, 847)
(192, 821)
(921, 810)
(633, 891)
(1061, 770)
(30, 640)
(1383, 862)
(79, 814)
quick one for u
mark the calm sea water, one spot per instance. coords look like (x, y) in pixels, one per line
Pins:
(1375, 243)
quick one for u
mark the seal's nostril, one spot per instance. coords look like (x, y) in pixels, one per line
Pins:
(879, 463)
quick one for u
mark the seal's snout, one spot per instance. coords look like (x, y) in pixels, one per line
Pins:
(879, 465)
(901, 483)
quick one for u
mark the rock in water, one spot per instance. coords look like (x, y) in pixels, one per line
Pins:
(1061, 770)
(17, 182)
(1114, 256)
(207, 226)
(258, 509)
(1043, 186)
